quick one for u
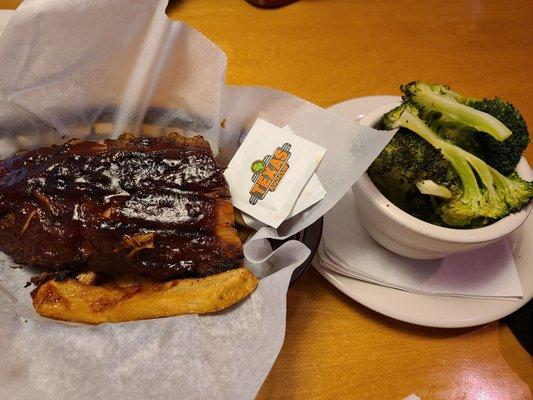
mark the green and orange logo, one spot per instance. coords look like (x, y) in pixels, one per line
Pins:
(268, 172)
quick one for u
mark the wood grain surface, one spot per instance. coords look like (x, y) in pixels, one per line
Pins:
(327, 51)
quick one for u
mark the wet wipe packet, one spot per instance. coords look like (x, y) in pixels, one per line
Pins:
(269, 171)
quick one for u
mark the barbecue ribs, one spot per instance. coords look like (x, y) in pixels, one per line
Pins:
(155, 206)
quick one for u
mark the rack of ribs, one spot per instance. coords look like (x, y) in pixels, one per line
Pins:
(159, 207)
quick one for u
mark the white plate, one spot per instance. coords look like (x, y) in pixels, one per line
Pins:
(433, 311)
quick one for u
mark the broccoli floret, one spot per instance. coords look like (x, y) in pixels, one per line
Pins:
(492, 129)
(434, 189)
(455, 133)
(481, 194)
(431, 99)
(421, 206)
(505, 155)
(406, 160)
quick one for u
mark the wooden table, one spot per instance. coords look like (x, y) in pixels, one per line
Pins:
(327, 51)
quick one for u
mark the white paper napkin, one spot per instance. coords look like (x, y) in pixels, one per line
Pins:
(347, 249)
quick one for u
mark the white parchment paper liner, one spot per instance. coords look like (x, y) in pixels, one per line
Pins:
(68, 65)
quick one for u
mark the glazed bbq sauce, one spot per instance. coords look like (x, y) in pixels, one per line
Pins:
(147, 207)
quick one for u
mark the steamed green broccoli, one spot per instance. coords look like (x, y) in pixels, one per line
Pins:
(481, 194)
(430, 98)
(492, 129)
(406, 160)
(504, 156)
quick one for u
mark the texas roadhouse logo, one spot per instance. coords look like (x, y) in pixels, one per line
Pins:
(268, 172)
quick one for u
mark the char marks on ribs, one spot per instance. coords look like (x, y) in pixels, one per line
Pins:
(155, 206)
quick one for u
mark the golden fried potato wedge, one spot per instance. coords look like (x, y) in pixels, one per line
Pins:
(71, 300)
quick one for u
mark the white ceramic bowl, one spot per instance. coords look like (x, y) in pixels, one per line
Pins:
(408, 236)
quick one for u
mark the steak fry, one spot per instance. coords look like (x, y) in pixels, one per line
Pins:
(72, 300)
